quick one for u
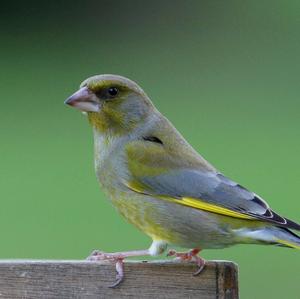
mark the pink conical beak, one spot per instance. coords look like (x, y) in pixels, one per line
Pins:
(84, 100)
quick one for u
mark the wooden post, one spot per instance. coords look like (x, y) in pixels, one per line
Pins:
(36, 279)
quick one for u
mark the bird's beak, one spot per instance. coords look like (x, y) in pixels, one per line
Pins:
(84, 100)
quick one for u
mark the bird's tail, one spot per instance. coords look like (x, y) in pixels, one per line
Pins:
(271, 235)
(288, 239)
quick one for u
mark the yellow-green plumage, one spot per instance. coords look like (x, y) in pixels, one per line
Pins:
(159, 183)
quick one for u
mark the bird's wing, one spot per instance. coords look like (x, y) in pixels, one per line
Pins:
(200, 189)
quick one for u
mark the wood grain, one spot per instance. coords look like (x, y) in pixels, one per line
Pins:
(77, 279)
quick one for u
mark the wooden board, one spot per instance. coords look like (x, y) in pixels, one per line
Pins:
(77, 279)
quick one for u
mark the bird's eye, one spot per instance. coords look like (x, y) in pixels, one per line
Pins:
(112, 91)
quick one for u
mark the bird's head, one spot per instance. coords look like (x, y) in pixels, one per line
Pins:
(114, 104)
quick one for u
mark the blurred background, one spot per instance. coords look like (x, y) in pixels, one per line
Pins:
(226, 73)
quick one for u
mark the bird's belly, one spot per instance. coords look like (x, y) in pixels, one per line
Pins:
(176, 224)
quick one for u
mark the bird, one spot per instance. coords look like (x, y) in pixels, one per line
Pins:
(160, 184)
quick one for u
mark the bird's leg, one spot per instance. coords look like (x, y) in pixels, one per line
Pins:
(156, 248)
(118, 259)
(191, 255)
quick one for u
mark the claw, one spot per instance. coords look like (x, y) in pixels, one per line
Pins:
(95, 255)
(120, 273)
(98, 255)
(118, 259)
(191, 255)
(200, 263)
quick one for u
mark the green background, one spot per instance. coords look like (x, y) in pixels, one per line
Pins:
(226, 73)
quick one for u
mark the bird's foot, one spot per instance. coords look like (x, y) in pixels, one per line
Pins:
(118, 259)
(98, 255)
(192, 256)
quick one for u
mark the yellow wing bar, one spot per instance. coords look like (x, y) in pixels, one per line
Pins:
(195, 203)
(205, 206)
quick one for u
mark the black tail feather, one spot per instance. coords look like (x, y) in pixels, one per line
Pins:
(287, 223)
(292, 225)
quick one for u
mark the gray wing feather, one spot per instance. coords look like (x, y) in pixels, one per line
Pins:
(211, 187)
(216, 189)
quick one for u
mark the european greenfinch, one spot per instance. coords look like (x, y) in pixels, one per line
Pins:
(159, 183)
